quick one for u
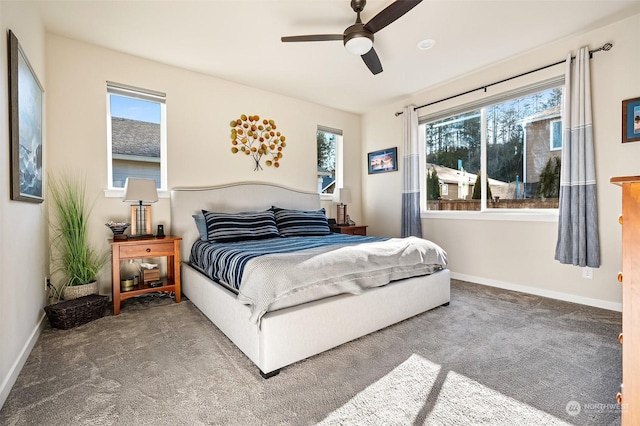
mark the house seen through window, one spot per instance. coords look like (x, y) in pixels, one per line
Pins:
(521, 141)
(328, 144)
(136, 135)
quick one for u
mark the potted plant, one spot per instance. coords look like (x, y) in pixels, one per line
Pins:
(73, 257)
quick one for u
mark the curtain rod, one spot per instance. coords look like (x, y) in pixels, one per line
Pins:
(605, 47)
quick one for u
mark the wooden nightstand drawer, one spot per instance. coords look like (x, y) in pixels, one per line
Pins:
(350, 229)
(146, 250)
(359, 230)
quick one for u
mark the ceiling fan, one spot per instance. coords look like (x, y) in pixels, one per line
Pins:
(358, 38)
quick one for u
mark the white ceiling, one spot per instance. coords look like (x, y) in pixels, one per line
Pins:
(239, 40)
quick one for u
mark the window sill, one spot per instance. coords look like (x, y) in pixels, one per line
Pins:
(528, 215)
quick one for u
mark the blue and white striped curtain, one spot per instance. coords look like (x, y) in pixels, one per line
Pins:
(411, 225)
(578, 238)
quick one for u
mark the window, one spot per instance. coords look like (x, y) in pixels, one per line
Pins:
(329, 148)
(136, 135)
(556, 135)
(516, 138)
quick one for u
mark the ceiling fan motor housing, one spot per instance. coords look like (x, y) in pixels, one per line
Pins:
(357, 40)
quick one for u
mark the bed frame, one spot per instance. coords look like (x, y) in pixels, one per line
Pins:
(292, 334)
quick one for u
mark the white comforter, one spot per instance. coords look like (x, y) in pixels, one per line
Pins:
(277, 281)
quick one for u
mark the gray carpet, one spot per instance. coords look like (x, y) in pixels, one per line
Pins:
(491, 357)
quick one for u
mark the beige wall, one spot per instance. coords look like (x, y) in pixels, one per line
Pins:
(199, 109)
(23, 229)
(483, 250)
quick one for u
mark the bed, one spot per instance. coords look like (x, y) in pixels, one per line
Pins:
(280, 337)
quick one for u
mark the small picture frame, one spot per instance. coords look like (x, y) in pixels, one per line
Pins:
(631, 120)
(385, 160)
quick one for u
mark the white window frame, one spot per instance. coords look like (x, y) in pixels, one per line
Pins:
(528, 215)
(339, 159)
(142, 94)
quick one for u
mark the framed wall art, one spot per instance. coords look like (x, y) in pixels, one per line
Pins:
(631, 120)
(25, 126)
(385, 160)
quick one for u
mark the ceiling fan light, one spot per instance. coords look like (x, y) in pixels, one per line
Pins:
(359, 45)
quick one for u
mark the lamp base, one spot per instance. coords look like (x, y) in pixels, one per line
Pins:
(341, 214)
(140, 219)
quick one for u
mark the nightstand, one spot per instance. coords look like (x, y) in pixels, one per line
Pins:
(168, 247)
(349, 229)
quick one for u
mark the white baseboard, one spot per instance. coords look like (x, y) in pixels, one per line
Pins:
(612, 306)
(10, 379)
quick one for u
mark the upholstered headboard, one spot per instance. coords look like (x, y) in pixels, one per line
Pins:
(231, 198)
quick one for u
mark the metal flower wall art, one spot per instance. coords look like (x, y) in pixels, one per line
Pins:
(257, 138)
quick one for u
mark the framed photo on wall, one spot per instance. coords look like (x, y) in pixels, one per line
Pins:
(25, 126)
(385, 160)
(631, 120)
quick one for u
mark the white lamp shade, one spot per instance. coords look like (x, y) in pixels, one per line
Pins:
(359, 45)
(344, 196)
(140, 190)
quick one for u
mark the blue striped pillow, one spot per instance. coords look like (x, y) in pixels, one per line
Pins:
(228, 227)
(298, 223)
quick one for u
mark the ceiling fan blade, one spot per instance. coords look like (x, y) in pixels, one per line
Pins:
(372, 61)
(389, 14)
(312, 37)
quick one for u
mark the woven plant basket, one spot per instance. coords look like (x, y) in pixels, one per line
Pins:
(75, 312)
(75, 291)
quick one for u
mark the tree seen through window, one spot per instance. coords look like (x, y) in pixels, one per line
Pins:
(518, 146)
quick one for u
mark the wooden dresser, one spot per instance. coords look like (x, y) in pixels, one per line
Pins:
(630, 279)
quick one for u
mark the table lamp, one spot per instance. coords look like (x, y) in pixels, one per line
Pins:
(344, 198)
(140, 191)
